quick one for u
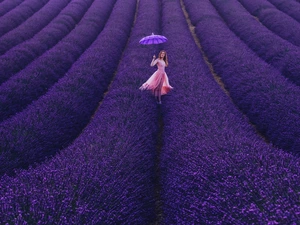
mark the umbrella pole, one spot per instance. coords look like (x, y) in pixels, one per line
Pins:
(153, 53)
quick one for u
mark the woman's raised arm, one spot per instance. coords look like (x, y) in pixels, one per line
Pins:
(154, 61)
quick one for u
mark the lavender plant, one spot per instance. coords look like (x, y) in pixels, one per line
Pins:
(34, 81)
(277, 21)
(268, 99)
(32, 25)
(106, 175)
(7, 5)
(291, 8)
(215, 168)
(57, 118)
(21, 55)
(19, 14)
(273, 49)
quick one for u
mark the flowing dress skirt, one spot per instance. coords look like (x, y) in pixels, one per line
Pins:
(158, 83)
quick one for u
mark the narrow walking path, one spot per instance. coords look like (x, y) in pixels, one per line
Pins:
(158, 200)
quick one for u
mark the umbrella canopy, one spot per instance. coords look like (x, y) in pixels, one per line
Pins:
(153, 39)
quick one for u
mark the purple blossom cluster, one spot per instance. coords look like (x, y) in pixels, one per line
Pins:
(270, 101)
(19, 14)
(274, 50)
(215, 169)
(106, 175)
(277, 21)
(6, 6)
(21, 55)
(32, 25)
(35, 80)
(292, 8)
(57, 118)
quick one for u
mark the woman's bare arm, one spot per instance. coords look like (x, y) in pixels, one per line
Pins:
(154, 61)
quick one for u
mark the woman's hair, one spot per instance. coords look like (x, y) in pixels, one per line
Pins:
(165, 57)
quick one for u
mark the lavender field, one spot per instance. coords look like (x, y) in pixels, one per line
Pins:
(81, 144)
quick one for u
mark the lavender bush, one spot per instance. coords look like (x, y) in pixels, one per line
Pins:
(32, 82)
(19, 14)
(215, 168)
(8, 5)
(291, 8)
(277, 21)
(21, 55)
(106, 176)
(32, 25)
(269, 100)
(57, 118)
(274, 50)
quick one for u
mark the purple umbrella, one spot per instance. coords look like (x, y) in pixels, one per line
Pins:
(153, 39)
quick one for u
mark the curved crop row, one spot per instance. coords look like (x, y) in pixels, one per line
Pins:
(32, 82)
(33, 25)
(106, 175)
(269, 100)
(8, 5)
(291, 8)
(215, 169)
(278, 52)
(19, 14)
(57, 118)
(277, 21)
(18, 57)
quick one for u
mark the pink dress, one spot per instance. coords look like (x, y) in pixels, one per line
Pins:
(158, 83)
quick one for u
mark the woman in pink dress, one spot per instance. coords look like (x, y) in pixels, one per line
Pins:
(158, 83)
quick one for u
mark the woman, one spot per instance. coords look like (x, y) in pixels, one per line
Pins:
(158, 83)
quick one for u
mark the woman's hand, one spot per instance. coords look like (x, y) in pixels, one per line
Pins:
(154, 57)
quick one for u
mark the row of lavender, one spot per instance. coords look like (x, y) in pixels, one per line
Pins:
(292, 8)
(35, 80)
(277, 21)
(21, 55)
(269, 100)
(278, 52)
(215, 169)
(6, 6)
(107, 175)
(32, 25)
(56, 118)
(19, 14)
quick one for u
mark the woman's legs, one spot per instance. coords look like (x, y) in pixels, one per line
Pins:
(159, 98)
(157, 92)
